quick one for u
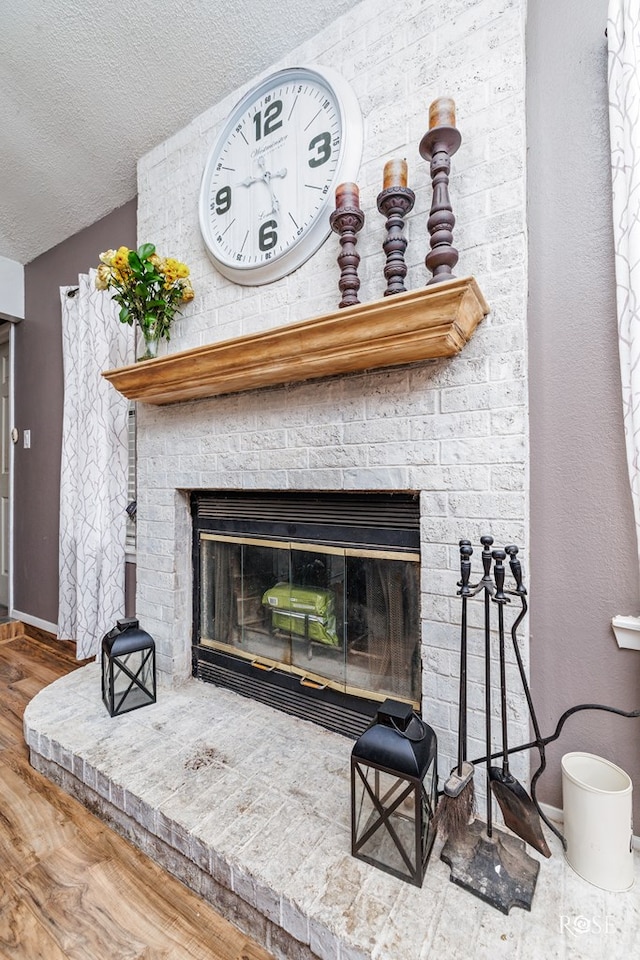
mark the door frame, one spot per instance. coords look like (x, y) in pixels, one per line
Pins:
(7, 335)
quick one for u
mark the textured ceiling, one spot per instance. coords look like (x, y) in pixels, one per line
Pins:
(86, 88)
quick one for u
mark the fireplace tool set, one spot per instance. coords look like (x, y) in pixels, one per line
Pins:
(484, 860)
(488, 862)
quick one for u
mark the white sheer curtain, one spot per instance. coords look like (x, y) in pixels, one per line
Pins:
(93, 476)
(623, 33)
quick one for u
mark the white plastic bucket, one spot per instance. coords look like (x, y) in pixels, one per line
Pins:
(596, 797)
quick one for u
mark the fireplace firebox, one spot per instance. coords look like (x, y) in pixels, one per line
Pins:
(309, 602)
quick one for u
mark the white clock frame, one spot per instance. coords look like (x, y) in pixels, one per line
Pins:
(313, 236)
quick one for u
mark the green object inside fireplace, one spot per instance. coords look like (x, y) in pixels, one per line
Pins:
(304, 611)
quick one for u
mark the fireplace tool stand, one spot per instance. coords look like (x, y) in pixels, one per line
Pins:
(490, 863)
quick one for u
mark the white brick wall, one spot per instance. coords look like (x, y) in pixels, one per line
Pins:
(454, 429)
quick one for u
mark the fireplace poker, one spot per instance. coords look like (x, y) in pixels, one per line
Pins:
(540, 741)
(521, 592)
(487, 583)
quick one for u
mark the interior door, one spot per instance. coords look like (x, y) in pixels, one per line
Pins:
(5, 444)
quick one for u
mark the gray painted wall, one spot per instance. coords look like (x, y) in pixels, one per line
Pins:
(38, 405)
(584, 566)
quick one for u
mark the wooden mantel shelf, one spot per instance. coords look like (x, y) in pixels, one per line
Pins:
(423, 324)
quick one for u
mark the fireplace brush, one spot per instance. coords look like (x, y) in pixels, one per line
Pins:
(456, 804)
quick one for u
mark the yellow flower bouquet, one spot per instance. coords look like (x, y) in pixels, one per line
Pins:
(149, 289)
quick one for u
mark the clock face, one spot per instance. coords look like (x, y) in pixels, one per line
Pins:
(268, 187)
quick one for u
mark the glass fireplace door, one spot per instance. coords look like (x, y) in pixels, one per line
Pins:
(333, 616)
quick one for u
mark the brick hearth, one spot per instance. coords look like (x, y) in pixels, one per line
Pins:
(250, 808)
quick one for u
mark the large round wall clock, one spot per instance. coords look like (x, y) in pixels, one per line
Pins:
(268, 186)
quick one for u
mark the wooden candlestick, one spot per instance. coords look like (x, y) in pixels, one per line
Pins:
(346, 220)
(438, 146)
(394, 202)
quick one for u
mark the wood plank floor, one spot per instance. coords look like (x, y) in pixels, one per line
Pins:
(71, 887)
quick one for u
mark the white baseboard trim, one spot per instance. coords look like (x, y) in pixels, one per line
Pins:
(556, 815)
(627, 632)
(34, 621)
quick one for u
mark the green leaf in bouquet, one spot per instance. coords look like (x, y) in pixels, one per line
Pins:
(135, 263)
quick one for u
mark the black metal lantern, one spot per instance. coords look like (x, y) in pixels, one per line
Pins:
(128, 668)
(394, 783)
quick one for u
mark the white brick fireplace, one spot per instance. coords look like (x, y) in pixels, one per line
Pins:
(455, 430)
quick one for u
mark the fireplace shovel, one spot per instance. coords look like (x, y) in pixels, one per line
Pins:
(518, 809)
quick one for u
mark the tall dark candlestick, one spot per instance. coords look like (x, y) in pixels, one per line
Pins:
(438, 146)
